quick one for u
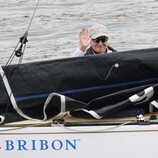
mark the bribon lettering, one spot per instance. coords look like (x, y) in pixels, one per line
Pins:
(40, 145)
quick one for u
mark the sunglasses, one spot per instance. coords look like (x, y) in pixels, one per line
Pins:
(102, 39)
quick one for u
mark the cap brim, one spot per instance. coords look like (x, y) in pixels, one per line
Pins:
(99, 35)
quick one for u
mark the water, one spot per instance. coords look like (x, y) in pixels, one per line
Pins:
(56, 25)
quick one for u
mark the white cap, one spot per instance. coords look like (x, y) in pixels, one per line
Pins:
(98, 30)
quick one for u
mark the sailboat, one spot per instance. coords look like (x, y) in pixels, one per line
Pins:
(95, 106)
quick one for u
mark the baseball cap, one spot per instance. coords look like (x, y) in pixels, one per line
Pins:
(98, 30)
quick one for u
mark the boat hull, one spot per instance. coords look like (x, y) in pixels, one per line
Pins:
(80, 141)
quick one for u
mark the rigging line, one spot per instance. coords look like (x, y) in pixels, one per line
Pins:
(16, 127)
(97, 130)
(12, 56)
(23, 39)
(33, 15)
(21, 57)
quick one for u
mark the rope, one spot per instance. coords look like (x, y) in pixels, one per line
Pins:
(23, 40)
(99, 130)
(60, 125)
(33, 15)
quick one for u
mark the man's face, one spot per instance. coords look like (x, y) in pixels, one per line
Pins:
(100, 44)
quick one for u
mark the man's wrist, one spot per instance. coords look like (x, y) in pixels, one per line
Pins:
(83, 49)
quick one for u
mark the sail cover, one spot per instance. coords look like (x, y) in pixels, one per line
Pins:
(109, 85)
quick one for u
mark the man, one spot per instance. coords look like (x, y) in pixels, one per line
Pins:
(93, 41)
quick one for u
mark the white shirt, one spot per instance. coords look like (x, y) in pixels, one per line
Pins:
(79, 53)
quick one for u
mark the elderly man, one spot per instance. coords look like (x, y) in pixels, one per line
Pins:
(93, 41)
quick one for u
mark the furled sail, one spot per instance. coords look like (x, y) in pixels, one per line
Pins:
(91, 86)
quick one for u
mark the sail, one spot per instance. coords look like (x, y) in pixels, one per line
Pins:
(99, 85)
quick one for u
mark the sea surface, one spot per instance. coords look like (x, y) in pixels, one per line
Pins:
(53, 32)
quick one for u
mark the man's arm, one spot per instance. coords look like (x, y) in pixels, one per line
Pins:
(78, 53)
(84, 40)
